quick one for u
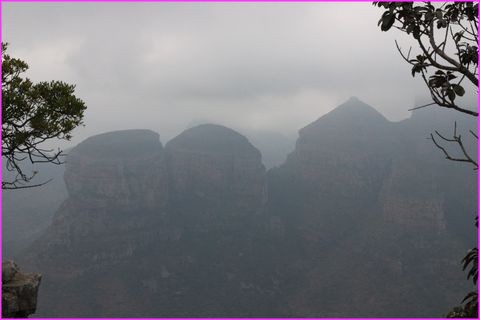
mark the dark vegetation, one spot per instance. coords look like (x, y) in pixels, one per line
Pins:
(32, 114)
(447, 38)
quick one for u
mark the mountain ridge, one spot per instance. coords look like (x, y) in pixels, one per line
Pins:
(214, 234)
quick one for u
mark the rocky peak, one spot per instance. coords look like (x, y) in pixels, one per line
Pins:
(216, 184)
(213, 139)
(125, 144)
(337, 202)
(212, 162)
(339, 163)
(352, 115)
(352, 129)
(354, 108)
(121, 168)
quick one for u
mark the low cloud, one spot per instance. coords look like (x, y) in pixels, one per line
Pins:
(162, 66)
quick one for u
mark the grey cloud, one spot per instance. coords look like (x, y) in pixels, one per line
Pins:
(162, 66)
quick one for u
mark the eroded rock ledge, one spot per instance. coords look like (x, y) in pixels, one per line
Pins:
(19, 291)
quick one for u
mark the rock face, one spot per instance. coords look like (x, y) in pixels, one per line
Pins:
(338, 166)
(364, 219)
(217, 164)
(118, 169)
(145, 230)
(417, 207)
(117, 188)
(370, 202)
(352, 137)
(19, 291)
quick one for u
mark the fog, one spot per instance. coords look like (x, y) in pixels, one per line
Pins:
(359, 215)
(249, 66)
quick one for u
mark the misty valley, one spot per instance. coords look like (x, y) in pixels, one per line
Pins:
(362, 217)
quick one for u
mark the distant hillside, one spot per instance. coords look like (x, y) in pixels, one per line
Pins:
(26, 213)
(274, 146)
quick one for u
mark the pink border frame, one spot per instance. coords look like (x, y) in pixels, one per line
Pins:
(1, 193)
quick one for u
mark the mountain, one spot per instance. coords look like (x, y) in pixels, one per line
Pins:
(372, 204)
(122, 169)
(214, 163)
(363, 219)
(153, 231)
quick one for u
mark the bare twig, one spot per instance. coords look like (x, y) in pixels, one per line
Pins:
(424, 106)
(457, 139)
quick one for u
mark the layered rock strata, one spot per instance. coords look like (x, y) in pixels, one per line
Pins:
(217, 164)
(165, 223)
(118, 169)
(361, 220)
(370, 204)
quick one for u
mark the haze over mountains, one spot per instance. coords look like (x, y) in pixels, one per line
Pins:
(364, 218)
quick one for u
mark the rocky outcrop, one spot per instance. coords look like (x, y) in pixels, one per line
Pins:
(417, 207)
(117, 189)
(19, 291)
(168, 222)
(365, 198)
(337, 168)
(351, 138)
(216, 164)
(118, 169)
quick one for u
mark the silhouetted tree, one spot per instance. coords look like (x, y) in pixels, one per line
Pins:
(447, 39)
(31, 115)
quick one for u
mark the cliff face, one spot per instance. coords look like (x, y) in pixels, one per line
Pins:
(336, 170)
(153, 232)
(216, 164)
(361, 220)
(351, 138)
(417, 207)
(369, 201)
(118, 169)
(117, 187)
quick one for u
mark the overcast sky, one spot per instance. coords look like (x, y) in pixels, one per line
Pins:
(249, 66)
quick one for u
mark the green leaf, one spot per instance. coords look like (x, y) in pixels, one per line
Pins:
(451, 94)
(459, 90)
(388, 20)
(416, 32)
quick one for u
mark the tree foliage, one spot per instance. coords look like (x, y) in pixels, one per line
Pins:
(33, 113)
(447, 38)
(447, 58)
